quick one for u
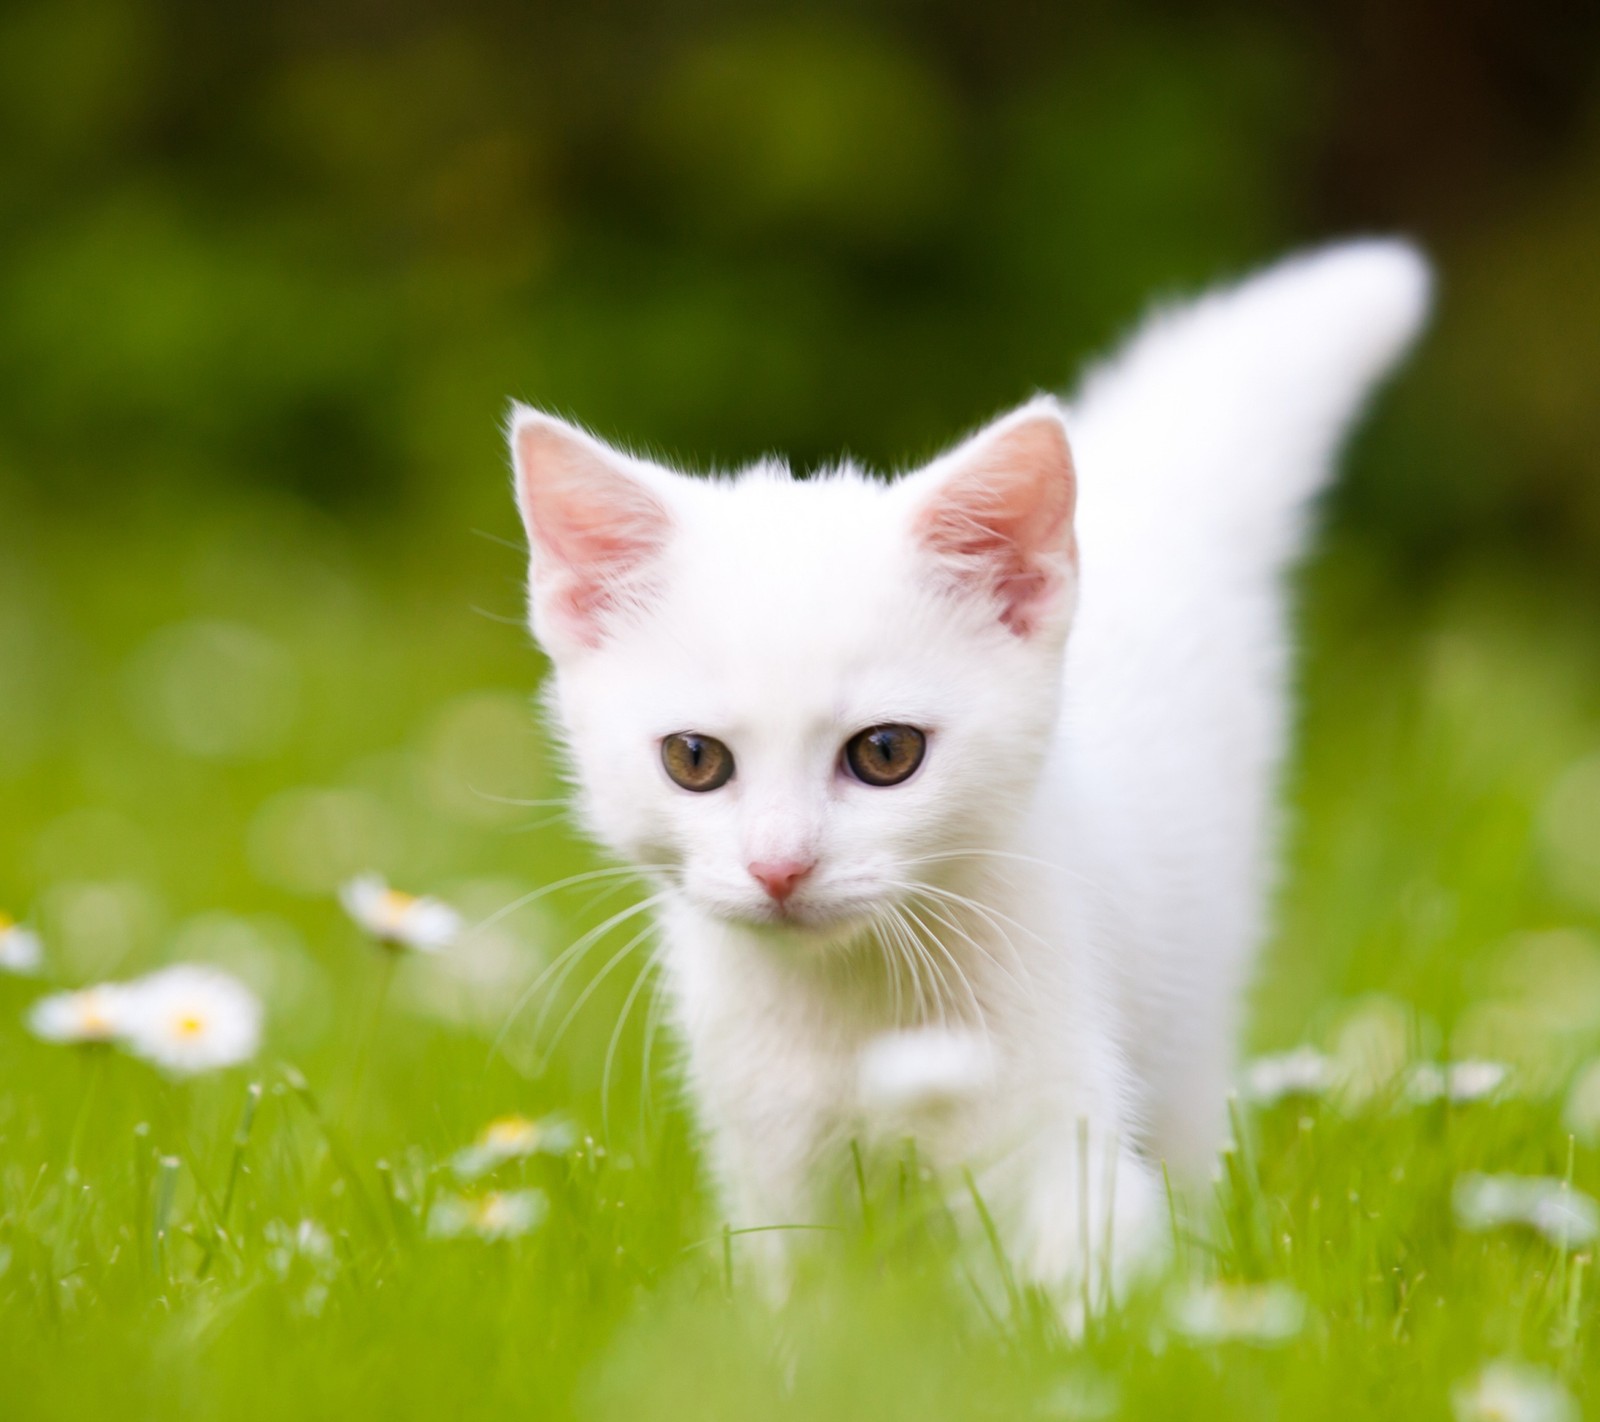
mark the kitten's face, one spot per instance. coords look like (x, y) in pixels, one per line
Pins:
(796, 701)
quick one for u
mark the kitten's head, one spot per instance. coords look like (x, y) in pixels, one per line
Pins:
(797, 700)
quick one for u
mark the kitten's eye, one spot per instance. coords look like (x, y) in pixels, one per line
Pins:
(697, 762)
(885, 755)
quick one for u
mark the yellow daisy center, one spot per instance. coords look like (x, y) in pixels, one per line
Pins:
(188, 1024)
(510, 1132)
(7, 923)
(395, 906)
(491, 1212)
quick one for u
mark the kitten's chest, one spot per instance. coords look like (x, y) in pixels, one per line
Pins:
(813, 1063)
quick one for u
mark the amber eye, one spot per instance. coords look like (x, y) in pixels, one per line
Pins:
(885, 755)
(697, 762)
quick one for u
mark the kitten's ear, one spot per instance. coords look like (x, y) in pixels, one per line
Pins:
(596, 526)
(996, 513)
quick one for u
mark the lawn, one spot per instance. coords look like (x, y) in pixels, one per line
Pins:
(213, 715)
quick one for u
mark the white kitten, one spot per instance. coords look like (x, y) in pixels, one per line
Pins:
(984, 755)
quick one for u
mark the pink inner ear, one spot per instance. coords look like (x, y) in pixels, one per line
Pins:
(594, 526)
(1002, 520)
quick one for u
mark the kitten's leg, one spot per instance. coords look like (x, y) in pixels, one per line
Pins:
(1092, 1218)
(768, 1118)
(769, 1072)
(769, 1203)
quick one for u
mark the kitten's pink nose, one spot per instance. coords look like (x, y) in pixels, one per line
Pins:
(780, 877)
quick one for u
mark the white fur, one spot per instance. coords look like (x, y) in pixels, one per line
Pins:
(1092, 827)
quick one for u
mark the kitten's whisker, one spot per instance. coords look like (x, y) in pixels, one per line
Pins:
(942, 996)
(499, 617)
(921, 969)
(562, 802)
(897, 965)
(567, 958)
(555, 965)
(519, 549)
(535, 895)
(949, 957)
(557, 818)
(575, 955)
(589, 991)
(897, 972)
(1024, 981)
(915, 887)
(652, 1024)
(900, 961)
(1059, 871)
(935, 941)
(992, 914)
(616, 1037)
(975, 853)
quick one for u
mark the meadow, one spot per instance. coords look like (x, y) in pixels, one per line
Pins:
(214, 721)
(268, 277)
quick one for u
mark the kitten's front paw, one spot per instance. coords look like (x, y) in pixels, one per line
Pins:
(1088, 1253)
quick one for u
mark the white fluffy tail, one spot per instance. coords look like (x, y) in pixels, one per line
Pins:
(1220, 418)
(1198, 449)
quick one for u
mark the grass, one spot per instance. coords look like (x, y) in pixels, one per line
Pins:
(215, 714)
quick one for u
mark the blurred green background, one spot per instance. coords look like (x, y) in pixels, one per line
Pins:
(269, 275)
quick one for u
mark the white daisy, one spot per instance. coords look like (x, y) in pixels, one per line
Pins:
(501, 1214)
(1513, 1392)
(190, 1018)
(400, 920)
(91, 1014)
(1458, 1083)
(1551, 1207)
(1238, 1313)
(20, 950)
(513, 1138)
(1302, 1072)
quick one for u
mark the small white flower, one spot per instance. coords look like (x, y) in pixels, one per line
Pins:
(513, 1138)
(1513, 1392)
(92, 1014)
(400, 920)
(20, 950)
(190, 1018)
(929, 1068)
(1303, 1072)
(1551, 1207)
(302, 1256)
(311, 1240)
(500, 1214)
(1458, 1083)
(1238, 1313)
(307, 1242)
